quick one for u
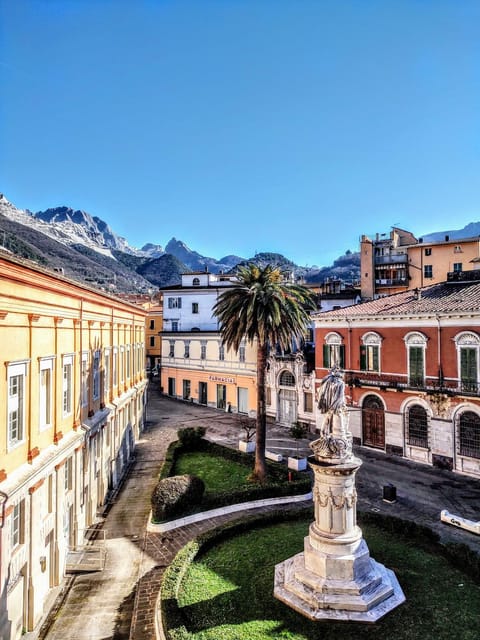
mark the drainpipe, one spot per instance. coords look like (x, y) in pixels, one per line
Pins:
(3, 502)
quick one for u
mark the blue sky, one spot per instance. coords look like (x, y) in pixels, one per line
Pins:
(292, 126)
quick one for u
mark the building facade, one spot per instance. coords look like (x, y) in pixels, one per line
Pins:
(399, 262)
(196, 367)
(73, 397)
(412, 372)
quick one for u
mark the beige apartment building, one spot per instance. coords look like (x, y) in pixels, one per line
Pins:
(73, 397)
(398, 261)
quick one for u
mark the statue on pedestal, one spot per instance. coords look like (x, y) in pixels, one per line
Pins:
(335, 440)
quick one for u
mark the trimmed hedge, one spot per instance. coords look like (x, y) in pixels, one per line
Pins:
(173, 495)
(275, 486)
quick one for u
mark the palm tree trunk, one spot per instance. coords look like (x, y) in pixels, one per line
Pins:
(260, 470)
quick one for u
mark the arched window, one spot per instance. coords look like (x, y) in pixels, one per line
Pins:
(468, 345)
(286, 379)
(333, 351)
(370, 352)
(196, 282)
(417, 426)
(469, 434)
(416, 343)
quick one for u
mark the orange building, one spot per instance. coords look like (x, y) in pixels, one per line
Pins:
(412, 370)
(400, 262)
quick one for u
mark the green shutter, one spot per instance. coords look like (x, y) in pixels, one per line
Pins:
(468, 366)
(342, 356)
(326, 356)
(375, 351)
(363, 357)
(416, 364)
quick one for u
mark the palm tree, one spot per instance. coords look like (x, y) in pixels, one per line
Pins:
(261, 306)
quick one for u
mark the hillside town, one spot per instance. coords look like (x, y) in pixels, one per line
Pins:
(78, 362)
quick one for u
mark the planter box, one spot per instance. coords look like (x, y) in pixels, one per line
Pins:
(276, 457)
(297, 464)
(246, 447)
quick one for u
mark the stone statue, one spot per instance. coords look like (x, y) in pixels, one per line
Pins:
(331, 397)
(335, 441)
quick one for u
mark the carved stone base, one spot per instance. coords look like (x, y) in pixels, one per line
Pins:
(366, 597)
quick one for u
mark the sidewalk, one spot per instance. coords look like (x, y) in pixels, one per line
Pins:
(119, 603)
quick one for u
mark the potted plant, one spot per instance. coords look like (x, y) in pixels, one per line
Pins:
(246, 442)
(297, 431)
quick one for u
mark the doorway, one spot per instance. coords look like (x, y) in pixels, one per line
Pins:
(373, 422)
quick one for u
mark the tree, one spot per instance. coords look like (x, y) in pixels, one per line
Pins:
(262, 307)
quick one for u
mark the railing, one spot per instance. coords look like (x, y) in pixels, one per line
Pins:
(388, 282)
(463, 276)
(391, 259)
(401, 382)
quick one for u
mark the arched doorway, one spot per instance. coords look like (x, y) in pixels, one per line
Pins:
(373, 422)
(287, 399)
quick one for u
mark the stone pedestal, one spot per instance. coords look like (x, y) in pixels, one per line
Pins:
(335, 578)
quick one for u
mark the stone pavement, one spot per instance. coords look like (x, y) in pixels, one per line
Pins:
(120, 602)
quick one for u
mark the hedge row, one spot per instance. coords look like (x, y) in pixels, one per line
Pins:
(277, 484)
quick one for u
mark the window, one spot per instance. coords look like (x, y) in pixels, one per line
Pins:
(186, 389)
(457, 267)
(171, 353)
(417, 426)
(18, 524)
(187, 350)
(68, 466)
(468, 345)
(194, 307)
(221, 396)
(152, 324)
(152, 341)
(286, 379)
(16, 403)
(370, 352)
(96, 375)
(106, 373)
(428, 251)
(308, 403)
(127, 358)
(122, 364)
(46, 386)
(203, 350)
(174, 303)
(174, 325)
(469, 434)
(457, 249)
(196, 282)
(171, 386)
(221, 352)
(416, 344)
(427, 271)
(115, 366)
(333, 351)
(67, 385)
(241, 353)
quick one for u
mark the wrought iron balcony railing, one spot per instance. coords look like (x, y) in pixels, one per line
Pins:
(428, 384)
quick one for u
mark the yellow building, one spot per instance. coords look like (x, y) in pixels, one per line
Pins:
(196, 367)
(153, 338)
(73, 395)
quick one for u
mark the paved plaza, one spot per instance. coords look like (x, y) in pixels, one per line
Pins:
(118, 603)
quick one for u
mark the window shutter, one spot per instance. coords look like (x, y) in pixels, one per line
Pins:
(376, 364)
(326, 356)
(416, 363)
(342, 356)
(468, 365)
(363, 357)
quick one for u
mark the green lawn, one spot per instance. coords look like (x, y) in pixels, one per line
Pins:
(219, 474)
(227, 593)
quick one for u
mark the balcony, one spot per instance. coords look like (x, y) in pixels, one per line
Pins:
(463, 276)
(401, 258)
(404, 383)
(391, 282)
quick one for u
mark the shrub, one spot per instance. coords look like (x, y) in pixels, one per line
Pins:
(172, 496)
(190, 437)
